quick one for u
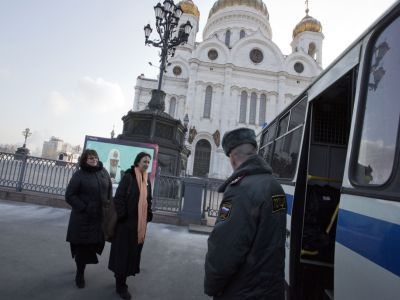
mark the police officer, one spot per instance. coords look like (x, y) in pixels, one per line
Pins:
(246, 249)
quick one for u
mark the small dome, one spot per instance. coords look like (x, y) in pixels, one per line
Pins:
(308, 23)
(188, 7)
(257, 4)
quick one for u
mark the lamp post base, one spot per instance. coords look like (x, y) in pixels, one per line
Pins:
(157, 101)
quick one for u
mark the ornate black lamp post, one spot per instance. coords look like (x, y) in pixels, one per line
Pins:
(170, 36)
(153, 125)
(26, 133)
(23, 150)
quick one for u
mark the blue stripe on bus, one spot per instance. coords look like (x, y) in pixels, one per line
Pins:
(376, 240)
(289, 201)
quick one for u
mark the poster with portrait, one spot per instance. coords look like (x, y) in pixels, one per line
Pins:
(118, 156)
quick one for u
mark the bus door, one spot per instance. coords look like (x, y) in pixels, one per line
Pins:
(329, 119)
(367, 251)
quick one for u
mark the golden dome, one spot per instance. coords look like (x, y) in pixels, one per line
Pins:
(188, 7)
(257, 4)
(308, 23)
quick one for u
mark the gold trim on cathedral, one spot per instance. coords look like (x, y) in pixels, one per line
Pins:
(188, 7)
(308, 23)
(257, 4)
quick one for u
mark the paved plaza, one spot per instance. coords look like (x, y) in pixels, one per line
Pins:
(36, 262)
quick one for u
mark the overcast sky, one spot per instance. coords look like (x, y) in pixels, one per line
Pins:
(68, 67)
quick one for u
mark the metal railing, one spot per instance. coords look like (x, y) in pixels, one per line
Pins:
(52, 176)
(168, 193)
(212, 198)
(35, 174)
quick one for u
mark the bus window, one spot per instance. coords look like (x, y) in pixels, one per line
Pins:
(297, 114)
(287, 146)
(283, 124)
(271, 133)
(286, 153)
(268, 144)
(380, 124)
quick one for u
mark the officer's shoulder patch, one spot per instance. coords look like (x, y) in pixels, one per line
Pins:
(225, 211)
(236, 180)
(278, 203)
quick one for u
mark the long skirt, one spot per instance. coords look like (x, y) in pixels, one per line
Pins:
(86, 253)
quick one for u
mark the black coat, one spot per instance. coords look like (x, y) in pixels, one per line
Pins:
(125, 251)
(246, 249)
(86, 192)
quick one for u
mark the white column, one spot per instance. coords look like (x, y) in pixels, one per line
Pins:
(216, 106)
(191, 93)
(281, 93)
(248, 107)
(257, 110)
(234, 109)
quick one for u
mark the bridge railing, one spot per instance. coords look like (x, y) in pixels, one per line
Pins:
(29, 173)
(35, 173)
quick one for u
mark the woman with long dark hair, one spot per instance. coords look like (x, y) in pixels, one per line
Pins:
(133, 205)
(87, 191)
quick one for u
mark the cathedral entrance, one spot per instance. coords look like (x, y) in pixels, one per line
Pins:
(202, 157)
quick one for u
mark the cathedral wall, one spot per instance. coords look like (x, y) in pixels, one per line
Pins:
(209, 86)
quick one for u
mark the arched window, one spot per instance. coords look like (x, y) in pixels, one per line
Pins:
(207, 102)
(242, 33)
(253, 107)
(243, 107)
(312, 50)
(263, 109)
(228, 38)
(202, 157)
(172, 107)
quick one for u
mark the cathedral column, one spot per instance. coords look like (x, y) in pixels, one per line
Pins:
(198, 104)
(257, 122)
(281, 93)
(191, 94)
(227, 101)
(234, 108)
(272, 106)
(248, 107)
(216, 106)
(180, 108)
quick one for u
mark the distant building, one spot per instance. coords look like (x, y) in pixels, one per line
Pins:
(56, 149)
(236, 77)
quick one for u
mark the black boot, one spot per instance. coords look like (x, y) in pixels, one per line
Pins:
(125, 295)
(122, 287)
(80, 278)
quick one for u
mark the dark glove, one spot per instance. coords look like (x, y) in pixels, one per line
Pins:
(149, 216)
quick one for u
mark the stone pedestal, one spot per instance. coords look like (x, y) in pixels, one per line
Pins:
(154, 126)
(193, 199)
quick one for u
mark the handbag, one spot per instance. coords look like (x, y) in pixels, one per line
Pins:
(110, 219)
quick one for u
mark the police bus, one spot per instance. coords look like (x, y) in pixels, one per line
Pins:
(335, 150)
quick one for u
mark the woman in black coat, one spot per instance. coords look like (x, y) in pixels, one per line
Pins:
(87, 190)
(133, 205)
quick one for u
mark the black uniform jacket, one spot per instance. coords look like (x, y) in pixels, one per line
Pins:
(246, 249)
(86, 192)
(125, 251)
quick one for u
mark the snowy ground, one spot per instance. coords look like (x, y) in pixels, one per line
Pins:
(36, 262)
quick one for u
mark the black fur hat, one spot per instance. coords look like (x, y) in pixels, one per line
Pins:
(237, 137)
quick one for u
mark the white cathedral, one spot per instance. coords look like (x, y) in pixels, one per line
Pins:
(236, 77)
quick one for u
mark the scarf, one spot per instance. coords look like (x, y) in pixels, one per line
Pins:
(142, 204)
